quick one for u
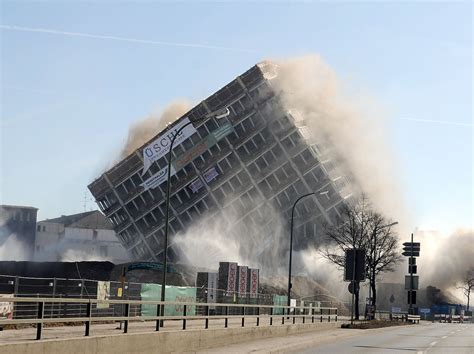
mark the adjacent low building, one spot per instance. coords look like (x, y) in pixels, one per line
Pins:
(258, 158)
(83, 236)
(17, 224)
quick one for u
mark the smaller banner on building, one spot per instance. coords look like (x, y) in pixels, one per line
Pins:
(6, 308)
(242, 284)
(210, 174)
(196, 185)
(103, 293)
(206, 143)
(231, 278)
(212, 288)
(158, 178)
(253, 283)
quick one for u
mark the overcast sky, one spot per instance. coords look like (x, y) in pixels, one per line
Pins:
(76, 74)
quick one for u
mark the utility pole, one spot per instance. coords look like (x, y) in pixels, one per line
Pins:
(410, 311)
(411, 249)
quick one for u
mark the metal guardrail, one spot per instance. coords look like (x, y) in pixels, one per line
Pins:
(202, 312)
(413, 318)
(451, 318)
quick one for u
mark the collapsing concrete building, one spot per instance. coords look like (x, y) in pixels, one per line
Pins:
(260, 157)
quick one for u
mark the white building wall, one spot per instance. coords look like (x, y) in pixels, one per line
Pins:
(55, 243)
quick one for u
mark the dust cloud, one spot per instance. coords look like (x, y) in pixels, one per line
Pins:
(224, 236)
(352, 123)
(445, 259)
(142, 131)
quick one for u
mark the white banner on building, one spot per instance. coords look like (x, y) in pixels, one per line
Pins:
(103, 293)
(253, 283)
(231, 278)
(243, 270)
(161, 146)
(158, 178)
(212, 288)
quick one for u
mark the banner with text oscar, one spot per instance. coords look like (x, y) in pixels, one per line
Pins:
(182, 160)
(161, 146)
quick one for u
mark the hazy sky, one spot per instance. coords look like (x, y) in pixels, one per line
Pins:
(67, 99)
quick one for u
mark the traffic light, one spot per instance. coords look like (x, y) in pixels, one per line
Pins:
(412, 297)
(411, 249)
(359, 265)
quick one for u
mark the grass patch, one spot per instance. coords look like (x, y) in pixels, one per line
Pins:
(374, 324)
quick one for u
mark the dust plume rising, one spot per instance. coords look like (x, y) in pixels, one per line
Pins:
(445, 259)
(143, 130)
(351, 122)
(224, 236)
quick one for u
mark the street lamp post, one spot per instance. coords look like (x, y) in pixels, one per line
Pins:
(218, 115)
(291, 246)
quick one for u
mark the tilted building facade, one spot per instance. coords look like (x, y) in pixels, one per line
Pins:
(261, 154)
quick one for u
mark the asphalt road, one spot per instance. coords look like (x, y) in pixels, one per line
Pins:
(424, 338)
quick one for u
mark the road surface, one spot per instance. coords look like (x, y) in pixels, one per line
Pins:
(423, 338)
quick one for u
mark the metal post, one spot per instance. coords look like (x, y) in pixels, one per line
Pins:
(271, 316)
(226, 319)
(321, 314)
(304, 314)
(16, 286)
(184, 316)
(158, 313)
(258, 316)
(243, 316)
(127, 314)
(54, 296)
(410, 309)
(88, 314)
(354, 265)
(291, 247)
(207, 318)
(312, 315)
(39, 325)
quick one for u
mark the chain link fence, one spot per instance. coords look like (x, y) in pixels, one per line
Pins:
(90, 289)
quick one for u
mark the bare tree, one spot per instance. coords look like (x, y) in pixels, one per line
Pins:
(362, 227)
(347, 233)
(382, 253)
(467, 284)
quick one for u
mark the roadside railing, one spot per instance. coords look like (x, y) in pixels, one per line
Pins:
(127, 311)
(441, 317)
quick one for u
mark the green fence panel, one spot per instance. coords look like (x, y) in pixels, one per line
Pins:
(279, 300)
(152, 292)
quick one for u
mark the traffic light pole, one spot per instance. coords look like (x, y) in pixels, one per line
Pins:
(410, 266)
(354, 264)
